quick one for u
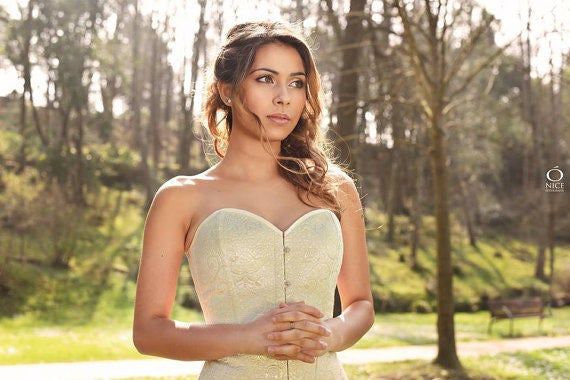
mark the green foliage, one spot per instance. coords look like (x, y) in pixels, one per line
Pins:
(498, 266)
(397, 329)
(76, 321)
(17, 285)
(115, 167)
(421, 307)
(9, 141)
(48, 245)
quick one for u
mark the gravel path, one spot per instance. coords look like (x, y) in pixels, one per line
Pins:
(121, 369)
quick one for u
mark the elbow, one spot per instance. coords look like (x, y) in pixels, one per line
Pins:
(139, 341)
(371, 315)
(144, 336)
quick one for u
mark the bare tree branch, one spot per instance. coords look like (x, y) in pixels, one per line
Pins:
(333, 20)
(423, 76)
(466, 50)
(481, 67)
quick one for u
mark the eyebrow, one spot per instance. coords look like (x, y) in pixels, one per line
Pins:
(275, 72)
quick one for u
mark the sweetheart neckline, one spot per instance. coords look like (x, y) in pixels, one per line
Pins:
(260, 218)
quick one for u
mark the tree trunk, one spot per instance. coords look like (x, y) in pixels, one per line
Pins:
(348, 83)
(447, 353)
(168, 96)
(417, 200)
(136, 123)
(22, 131)
(395, 185)
(78, 193)
(465, 207)
(554, 150)
(187, 101)
(28, 74)
(538, 163)
(155, 98)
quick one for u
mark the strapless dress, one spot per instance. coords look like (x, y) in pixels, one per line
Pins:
(243, 265)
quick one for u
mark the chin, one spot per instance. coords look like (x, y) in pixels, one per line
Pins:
(277, 133)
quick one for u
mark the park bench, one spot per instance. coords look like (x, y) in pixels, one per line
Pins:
(515, 308)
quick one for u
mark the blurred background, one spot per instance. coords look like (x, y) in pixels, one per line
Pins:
(453, 115)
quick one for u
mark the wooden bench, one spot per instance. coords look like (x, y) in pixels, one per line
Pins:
(515, 308)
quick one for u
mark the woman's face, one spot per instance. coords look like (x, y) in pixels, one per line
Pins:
(275, 85)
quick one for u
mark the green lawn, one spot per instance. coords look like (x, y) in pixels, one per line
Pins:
(76, 335)
(25, 339)
(76, 317)
(549, 364)
(400, 329)
(541, 364)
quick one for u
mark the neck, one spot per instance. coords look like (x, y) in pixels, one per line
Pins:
(247, 160)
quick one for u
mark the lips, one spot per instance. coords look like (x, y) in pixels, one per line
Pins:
(279, 118)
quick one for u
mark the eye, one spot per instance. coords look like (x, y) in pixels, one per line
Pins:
(300, 83)
(264, 76)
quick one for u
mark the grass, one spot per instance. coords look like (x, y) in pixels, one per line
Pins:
(549, 364)
(498, 266)
(398, 329)
(53, 328)
(552, 364)
(107, 335)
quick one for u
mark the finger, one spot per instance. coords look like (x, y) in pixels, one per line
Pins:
(308, 344)
(286, 304)
(289, 336)
(312, 344)
(315, 327)
(283, 321)
(312, 327)
(307, 309)
(284, 349)
(294, 315)
(313, 353)
(292, 303)
(305, 358)
(297, 305)
(300, 356)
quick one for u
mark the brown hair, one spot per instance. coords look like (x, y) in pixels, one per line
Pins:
(305, 157)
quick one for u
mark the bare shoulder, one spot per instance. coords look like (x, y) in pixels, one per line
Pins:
(179, 195)
(181, 188)
(346, 190)
(342, 180)
(180, 182)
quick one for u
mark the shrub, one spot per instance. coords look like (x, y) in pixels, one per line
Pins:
(421, 307)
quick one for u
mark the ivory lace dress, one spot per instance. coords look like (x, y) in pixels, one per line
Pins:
(242, 265)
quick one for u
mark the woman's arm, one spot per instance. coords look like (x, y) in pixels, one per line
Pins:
(353, 282)
(177, 340)
(154, 333)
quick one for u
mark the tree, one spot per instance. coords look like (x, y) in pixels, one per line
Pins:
(427, 41)
(348, 82)
(187, 101)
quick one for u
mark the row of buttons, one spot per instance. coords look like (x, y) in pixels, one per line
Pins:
(286, 250)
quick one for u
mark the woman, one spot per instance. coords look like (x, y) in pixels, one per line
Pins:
(265, 230)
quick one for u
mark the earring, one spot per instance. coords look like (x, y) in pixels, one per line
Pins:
(229, 101)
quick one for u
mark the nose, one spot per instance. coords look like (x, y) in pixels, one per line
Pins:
(282, 96)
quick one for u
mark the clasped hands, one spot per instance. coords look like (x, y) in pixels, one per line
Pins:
(291, 331)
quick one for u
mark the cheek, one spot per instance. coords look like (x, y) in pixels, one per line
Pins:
(257, 101)
(299, 103)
